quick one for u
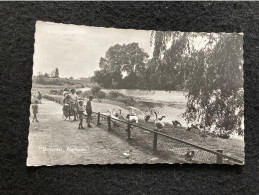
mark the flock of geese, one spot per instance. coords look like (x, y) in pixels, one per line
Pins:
(133, 118)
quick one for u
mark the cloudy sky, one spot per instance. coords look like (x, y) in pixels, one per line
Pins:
(76, 50)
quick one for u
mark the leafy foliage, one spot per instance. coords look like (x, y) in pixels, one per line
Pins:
(212, 74)
(128, 60)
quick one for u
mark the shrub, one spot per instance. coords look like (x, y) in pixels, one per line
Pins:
(115, 94)
(100, 95)
(126, 100)
(86, 94)
(56, 92)
(95, 89)
(48, 81)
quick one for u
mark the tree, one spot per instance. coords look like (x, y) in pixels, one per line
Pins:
(46, 75)
(56, 73)
(212, 74)
(129, 59)
(103, 78)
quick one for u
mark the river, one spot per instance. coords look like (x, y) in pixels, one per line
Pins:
(173, 103)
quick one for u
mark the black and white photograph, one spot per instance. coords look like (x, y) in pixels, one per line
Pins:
(127, 96)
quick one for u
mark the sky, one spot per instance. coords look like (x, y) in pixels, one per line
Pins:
(76, 50)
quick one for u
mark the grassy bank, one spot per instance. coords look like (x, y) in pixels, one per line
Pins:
(168, 148)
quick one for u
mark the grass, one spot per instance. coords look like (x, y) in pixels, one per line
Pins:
(168, 148)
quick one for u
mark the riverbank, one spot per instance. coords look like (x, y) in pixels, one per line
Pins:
(232, 147)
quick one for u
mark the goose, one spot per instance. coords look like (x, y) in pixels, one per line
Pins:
(159, 124)
(113, 117)
(161, 118)
(132, 118)
(147, 116)
(120, 115)
(115, 113)
(176, 123)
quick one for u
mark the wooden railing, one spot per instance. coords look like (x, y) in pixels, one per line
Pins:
(218, 153)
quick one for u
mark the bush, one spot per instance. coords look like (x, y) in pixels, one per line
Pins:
(56, 92)
(100, 95)
(48, 81)
(95, 89)
(126, 100)
(115, 94)
(86, 94)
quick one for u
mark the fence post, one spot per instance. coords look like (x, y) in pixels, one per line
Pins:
(219, 157)
(109, 123)
(129, 130)
(155, 143)
(98, 119)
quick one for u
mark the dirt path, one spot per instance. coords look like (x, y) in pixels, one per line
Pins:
(53, 141)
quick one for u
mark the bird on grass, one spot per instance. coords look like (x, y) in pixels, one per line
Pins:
(189, 155)
(128, 154)
(132, 118)
(159, 124)
(176, 123)
(192, 127)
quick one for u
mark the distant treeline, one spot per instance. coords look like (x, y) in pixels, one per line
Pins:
(54, 79)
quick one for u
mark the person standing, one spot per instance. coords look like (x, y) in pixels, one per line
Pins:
(81, 109)
(39, 96)
(73, 104)
(35, 110)
(89, 111)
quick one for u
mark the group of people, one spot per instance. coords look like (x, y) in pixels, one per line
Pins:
(77, 107)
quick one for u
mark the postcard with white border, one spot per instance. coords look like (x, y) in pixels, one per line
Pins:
(125, 96)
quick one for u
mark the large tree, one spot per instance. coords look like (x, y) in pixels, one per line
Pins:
(209, 66)
(128, 60)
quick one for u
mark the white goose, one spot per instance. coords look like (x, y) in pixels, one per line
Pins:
(113, 117)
